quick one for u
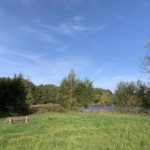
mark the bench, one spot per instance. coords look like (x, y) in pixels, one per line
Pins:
(17, 119)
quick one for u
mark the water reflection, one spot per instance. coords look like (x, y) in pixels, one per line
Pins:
(98, 108)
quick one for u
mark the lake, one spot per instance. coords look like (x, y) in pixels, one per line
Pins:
(91, 108)
(111, 108)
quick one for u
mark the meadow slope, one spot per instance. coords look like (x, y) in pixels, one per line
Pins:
(77, 131)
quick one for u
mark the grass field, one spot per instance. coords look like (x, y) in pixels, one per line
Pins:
(77, 131)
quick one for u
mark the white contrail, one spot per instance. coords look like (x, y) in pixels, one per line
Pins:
(101, 27)
(97, 29)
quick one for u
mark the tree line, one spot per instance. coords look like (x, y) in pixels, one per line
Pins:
(18, 93)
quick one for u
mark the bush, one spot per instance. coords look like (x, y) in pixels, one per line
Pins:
(42, 108)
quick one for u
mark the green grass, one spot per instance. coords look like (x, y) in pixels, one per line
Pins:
(77, 131)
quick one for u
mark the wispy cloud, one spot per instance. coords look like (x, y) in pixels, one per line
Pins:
(111, 82)
(145, 3)
(78, 18)
(98, 71)
(40, 70)
(62, 49)
(26, 3)
(38, 33)
(67, 4)
(53, 33)
(43, 69)
(72, 29)
(106, 25)
(68, 28)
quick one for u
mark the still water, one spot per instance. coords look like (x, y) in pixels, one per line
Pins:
(98, 108)
(111, 108)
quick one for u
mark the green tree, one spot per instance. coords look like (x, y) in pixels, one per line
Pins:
(13, 95)
(144, 96)
(97, 95)
(103, 97)
(30, 87)
(84, 92)
(38, 94)
(146, 61)
(45, 94)
(126, 97)
(67, 91)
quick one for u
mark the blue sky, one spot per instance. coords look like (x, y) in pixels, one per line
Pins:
(103, 40)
